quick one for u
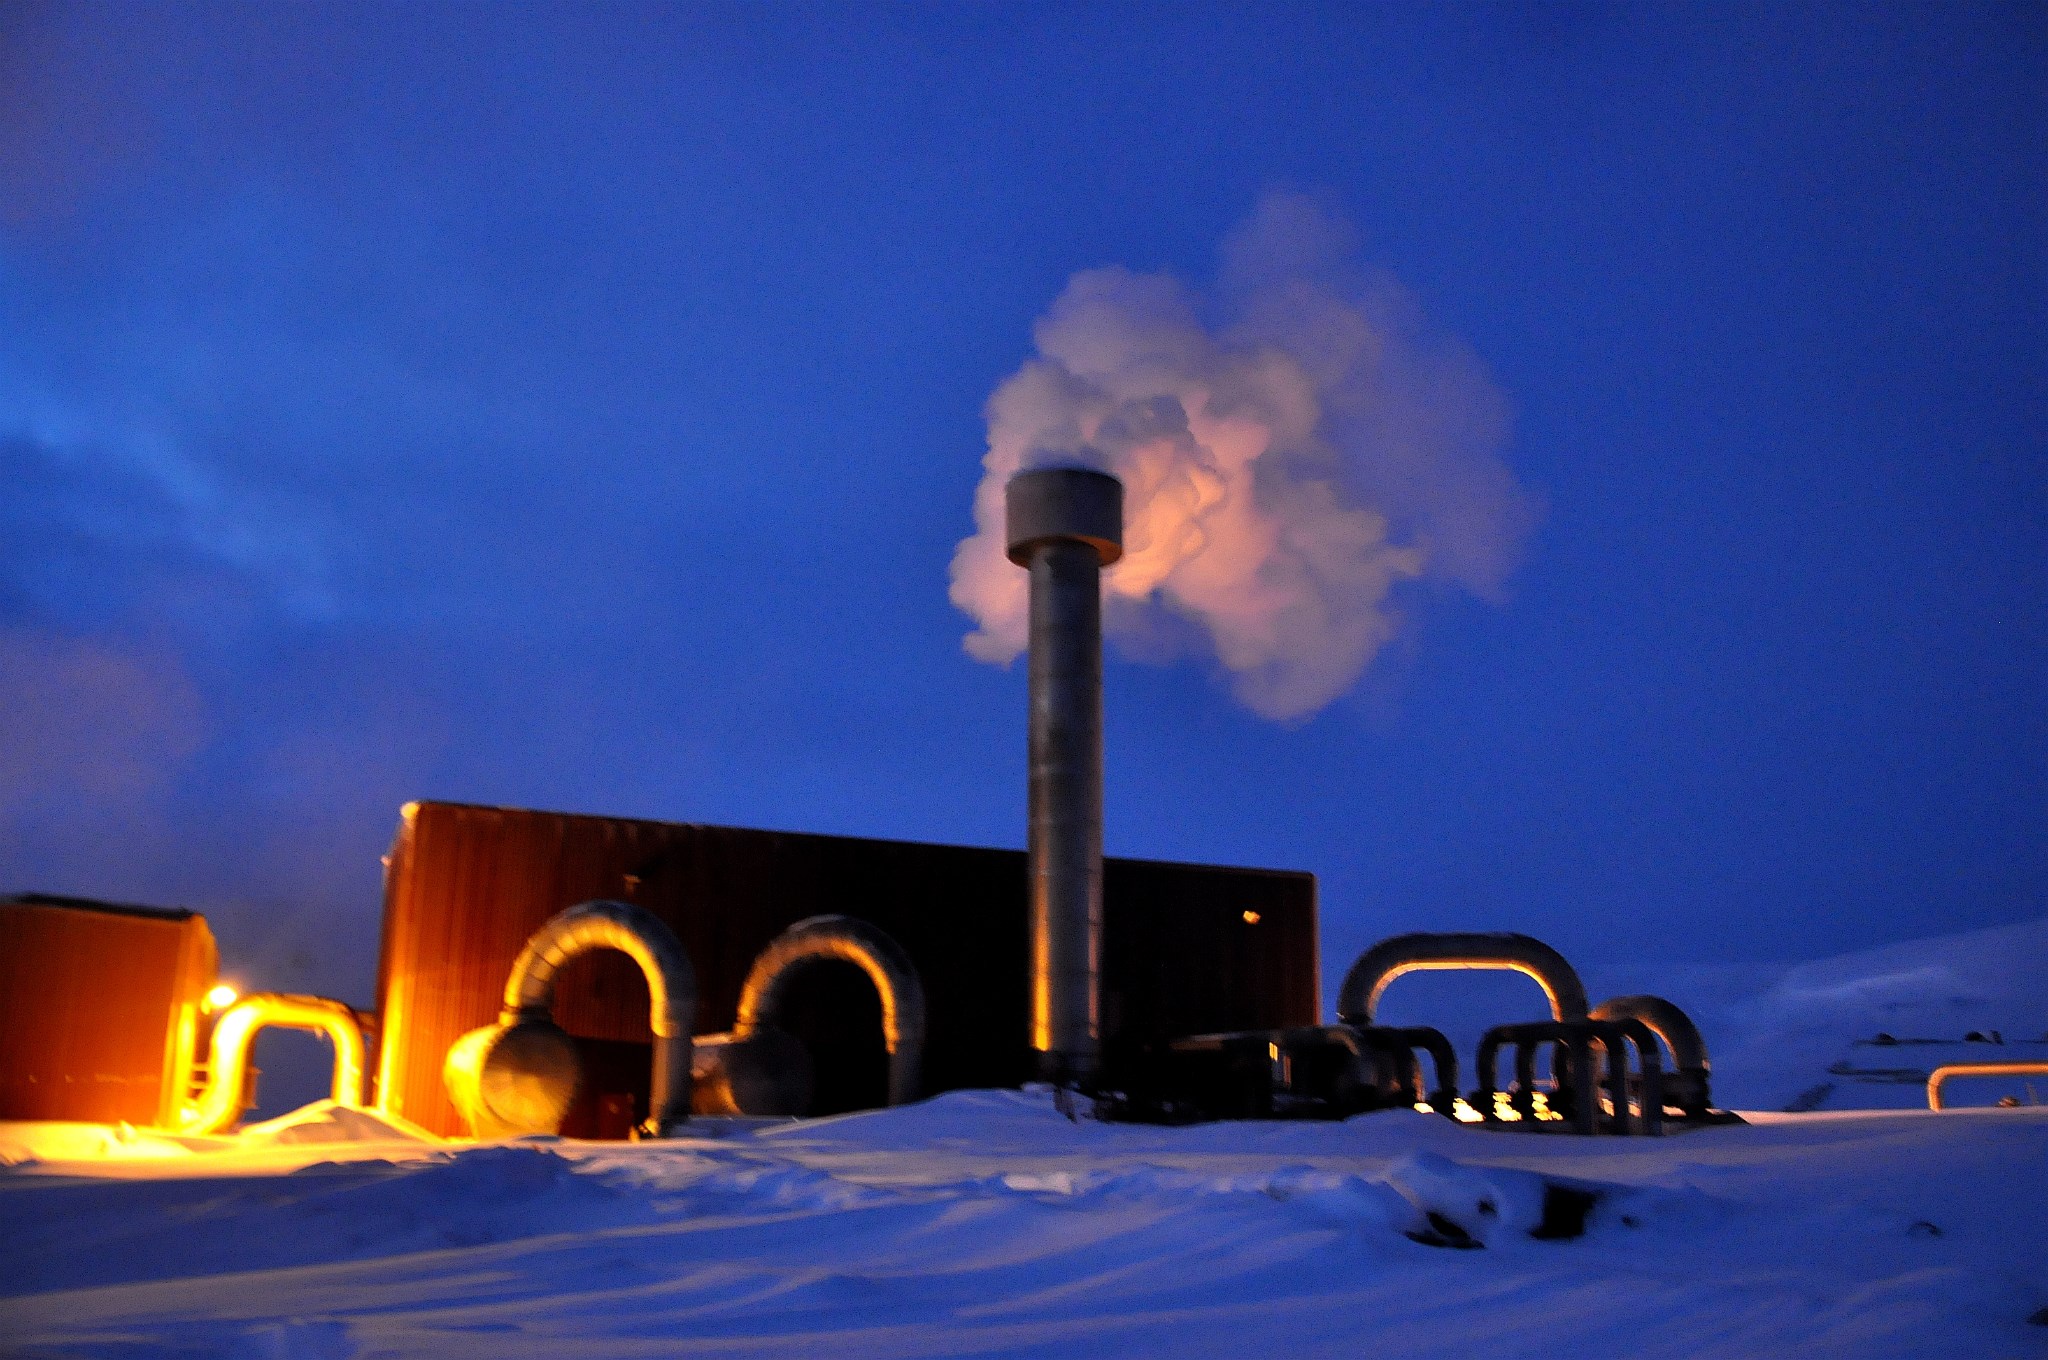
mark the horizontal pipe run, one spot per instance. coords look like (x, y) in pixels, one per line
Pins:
(765, 1072)
(511, 1080)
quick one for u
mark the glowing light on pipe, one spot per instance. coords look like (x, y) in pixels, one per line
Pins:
(220, 998)
(227, 1067)
(1940, 1076)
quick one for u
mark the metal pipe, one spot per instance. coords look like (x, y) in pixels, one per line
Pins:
(671, 989)
(1617, 1078)
(234, 1034)
(1577, 1080)
(1486, 1069)
(847, 939)
(1939, 1077)
(1651, 1095)
(1572, 1042)
(1523, 1099)
(1404, 1040)
(1065, 525)
(1688, 1085)
(1378, 966)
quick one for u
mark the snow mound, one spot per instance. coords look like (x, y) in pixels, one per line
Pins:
(27, 1144)
(326, 1122)
(1479, 1206)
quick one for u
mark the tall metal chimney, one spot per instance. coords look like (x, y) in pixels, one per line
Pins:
(1065, 525)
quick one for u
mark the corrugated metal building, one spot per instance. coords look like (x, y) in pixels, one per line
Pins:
(1186, 948)
(99, 1006)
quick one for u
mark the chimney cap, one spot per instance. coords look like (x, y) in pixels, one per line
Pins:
(1068, 502)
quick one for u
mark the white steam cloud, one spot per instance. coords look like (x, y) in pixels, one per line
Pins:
(1284, 470)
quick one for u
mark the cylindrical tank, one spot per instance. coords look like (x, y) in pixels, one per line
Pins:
(512, 1080)
(1064, 526)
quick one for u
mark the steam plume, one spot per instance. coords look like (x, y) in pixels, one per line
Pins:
(1284, 470)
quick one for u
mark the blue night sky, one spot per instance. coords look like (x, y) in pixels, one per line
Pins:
(579, 407)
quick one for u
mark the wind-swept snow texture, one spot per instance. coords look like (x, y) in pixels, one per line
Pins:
(984, 1223)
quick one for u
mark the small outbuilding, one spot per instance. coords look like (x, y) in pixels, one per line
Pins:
(100, 1009)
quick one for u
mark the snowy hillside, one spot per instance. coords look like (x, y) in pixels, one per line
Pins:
(1815, 1035)
(985, 1223)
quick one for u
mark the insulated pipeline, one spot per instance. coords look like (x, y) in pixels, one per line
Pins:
(820, 939)
(671, 988)
(234, 1032)
(1687, 1087)
(1359, 997)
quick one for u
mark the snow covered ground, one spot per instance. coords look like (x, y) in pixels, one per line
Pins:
(985, 1223)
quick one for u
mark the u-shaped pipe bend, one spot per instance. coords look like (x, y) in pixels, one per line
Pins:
(847, 939)
(234, 1033)
(1359, 997)
(1666, 1021)
(1687, 1088)
(671, 987)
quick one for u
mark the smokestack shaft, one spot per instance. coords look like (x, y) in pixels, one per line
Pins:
(1066, 804)
(1065, 525)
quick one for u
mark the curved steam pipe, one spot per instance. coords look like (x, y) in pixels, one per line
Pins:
(1688, 1088)
(671, 988)
(1578, 1041)
(1400, 1044)
(1615, 1034)
(1575, 1076)
(234, 1034)
(847, 939)
(1940, 1076)
(1665, 1020)
(1363, 986)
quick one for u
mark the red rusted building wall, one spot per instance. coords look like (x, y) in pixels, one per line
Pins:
(1186, 948)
